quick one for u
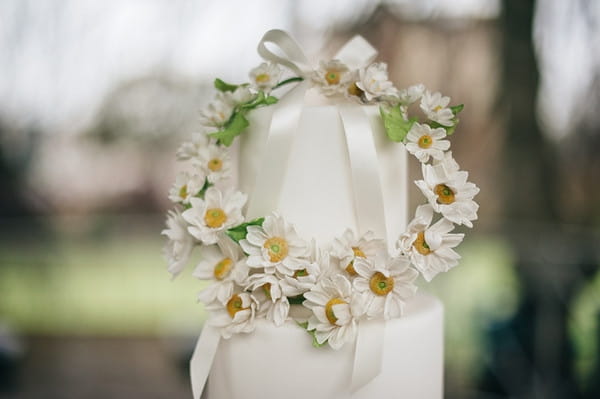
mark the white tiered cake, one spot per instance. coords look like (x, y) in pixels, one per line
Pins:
(316, 246)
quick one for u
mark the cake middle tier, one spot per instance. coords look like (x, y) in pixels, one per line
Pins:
(317, 193)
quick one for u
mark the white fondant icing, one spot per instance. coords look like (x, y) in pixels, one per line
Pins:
(280, 362)
(317, 194)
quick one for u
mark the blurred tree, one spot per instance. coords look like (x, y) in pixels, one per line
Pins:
(532, 354)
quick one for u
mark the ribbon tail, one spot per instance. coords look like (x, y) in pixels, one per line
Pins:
(202, 359)
(368, 355)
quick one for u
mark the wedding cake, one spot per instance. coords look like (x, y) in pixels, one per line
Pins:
(296, 199)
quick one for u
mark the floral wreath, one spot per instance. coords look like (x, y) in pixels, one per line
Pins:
(262, 268)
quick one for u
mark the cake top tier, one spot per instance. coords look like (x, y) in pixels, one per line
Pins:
(281, 250)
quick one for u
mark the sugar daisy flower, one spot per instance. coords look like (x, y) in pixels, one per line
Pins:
(236, 316)
(436, 108)
(224, 266)
(186, 187)
(218, 112)
(423, 142)
(274, 306)
(449, 193)
(304, 279)
(332, 77)
(265, 76)
(240, 95)
(191, 149)
(429, 247)
(214, 214)
(411, 94)
(374, 82)
(335, 311)
(180, 243)
(215, 162)
(275, 246)
(385, 284)
(349, 246)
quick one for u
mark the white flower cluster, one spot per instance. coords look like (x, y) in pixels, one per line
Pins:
(449, 194)
(365, 85)
(264, 269)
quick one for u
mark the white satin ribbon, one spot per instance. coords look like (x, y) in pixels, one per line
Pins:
(294, 56)
(368, 354)
(364, 166)
(271, 173)
(202, 359)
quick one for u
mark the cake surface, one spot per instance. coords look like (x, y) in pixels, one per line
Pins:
(317, 193)
(278, 362)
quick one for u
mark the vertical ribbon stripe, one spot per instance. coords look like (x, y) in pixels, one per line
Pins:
(202, 359)
(368, 355)
(364, 165)
(271, 173)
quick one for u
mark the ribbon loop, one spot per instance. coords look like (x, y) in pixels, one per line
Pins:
(296, 60)
(357, 53)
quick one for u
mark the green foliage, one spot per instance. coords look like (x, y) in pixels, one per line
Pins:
(205, 187)
(240, 232)
(290, 80)
(260, 99)
(237, 123)
(223, 86)
(396, 127)
(315, 343)
(296, 300)
(233, 128)
(449, 129)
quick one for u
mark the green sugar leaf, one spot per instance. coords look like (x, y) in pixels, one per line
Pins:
(313, 334)
(234, 127)
(449, 129)
(223, 86)
(270, 100)
(205, 187)
(396, 127)
(457, 108)
(260, 99)
(240, 232)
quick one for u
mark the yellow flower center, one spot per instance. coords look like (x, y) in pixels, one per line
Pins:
(420, 244)
(277, 249)
(357, 253)
(425, 141)
(215, 217)
(380, 284)
(300, 273)
(444, 193)
(436, 109)
(234, 305)
(329, 309)
(354, 90)
(332, 77)
(223, 268)
(215, 164)
(262, 78)
(183, 193)
(266, 287)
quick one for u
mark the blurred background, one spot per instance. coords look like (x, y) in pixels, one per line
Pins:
(95, 97)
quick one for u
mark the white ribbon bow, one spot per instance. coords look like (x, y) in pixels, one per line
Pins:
(368, 195)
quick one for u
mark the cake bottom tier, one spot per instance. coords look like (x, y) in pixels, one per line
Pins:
(280, 362)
